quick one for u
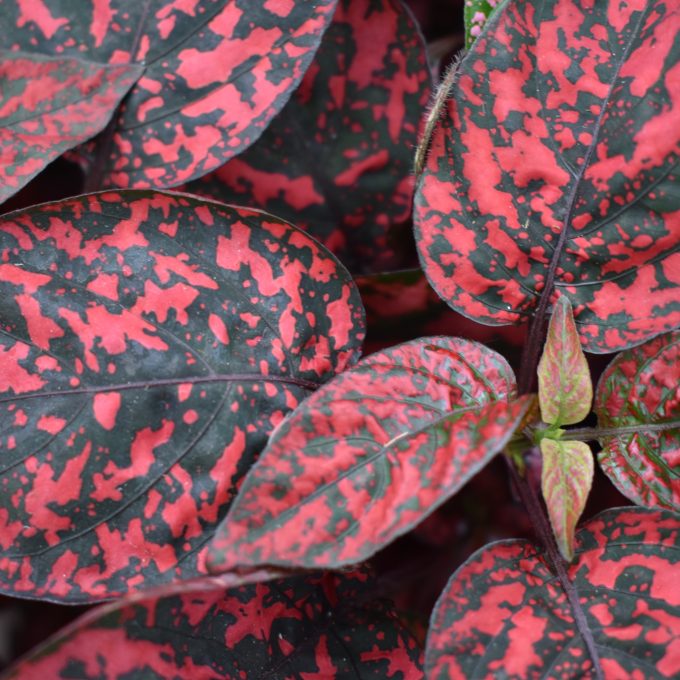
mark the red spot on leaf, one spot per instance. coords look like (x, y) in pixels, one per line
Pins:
(105, 406)
(51, 424)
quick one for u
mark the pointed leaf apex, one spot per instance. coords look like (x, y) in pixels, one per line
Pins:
(565, 390)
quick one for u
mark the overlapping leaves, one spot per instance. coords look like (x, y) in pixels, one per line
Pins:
(48, 105)
(150, 343)
(215, 73)
(556, 165)
(337, 160)
(503, 612)
(304, 627)
(370, 454)
(639, 395)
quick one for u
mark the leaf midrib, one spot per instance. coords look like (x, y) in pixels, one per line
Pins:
(371, 458)
(147, 384)
(536, 330)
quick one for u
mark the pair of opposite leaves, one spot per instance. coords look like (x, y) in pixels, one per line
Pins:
(565, 394)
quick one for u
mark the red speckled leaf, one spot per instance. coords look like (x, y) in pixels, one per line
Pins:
(640, 392)
(49, 105)
(215, 72)
(337, 161)
(312, 627)
(149, 344)
(370, 455)
(566, 479)
(559, 157)
(504, 614)
(565, 390)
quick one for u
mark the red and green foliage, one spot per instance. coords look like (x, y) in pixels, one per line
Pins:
(212, 74)
(307, 626)
(566, 480)
(556, 167)
(372, 453)
(48, 105)
(565, 395)
(150, 344)
(504, 614)
(337, 160)
(565, 391)
(187, 426)
(639, 393)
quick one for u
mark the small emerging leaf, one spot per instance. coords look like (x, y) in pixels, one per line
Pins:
(640, 391)
(476, 15)
(565, 390)
(566, 480)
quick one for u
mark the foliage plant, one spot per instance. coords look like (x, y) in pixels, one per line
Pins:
(189, 435)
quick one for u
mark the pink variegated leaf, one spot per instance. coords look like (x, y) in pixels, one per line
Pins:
(215, 73)
(150, 344)
(566, 479)
(565, 390)
(311, 626)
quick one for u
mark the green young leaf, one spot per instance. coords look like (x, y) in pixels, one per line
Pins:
(566, 481)
(475, 16)
(565, 390)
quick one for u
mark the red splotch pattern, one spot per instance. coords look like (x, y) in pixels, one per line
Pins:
(149, 344)
(504, 614)
(49, 105)
(370, 455)
(337, 161)
(215, 73)
(559, 153)
(312, 627)
(640, 389)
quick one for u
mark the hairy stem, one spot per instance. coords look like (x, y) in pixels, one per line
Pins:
(434, 114)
